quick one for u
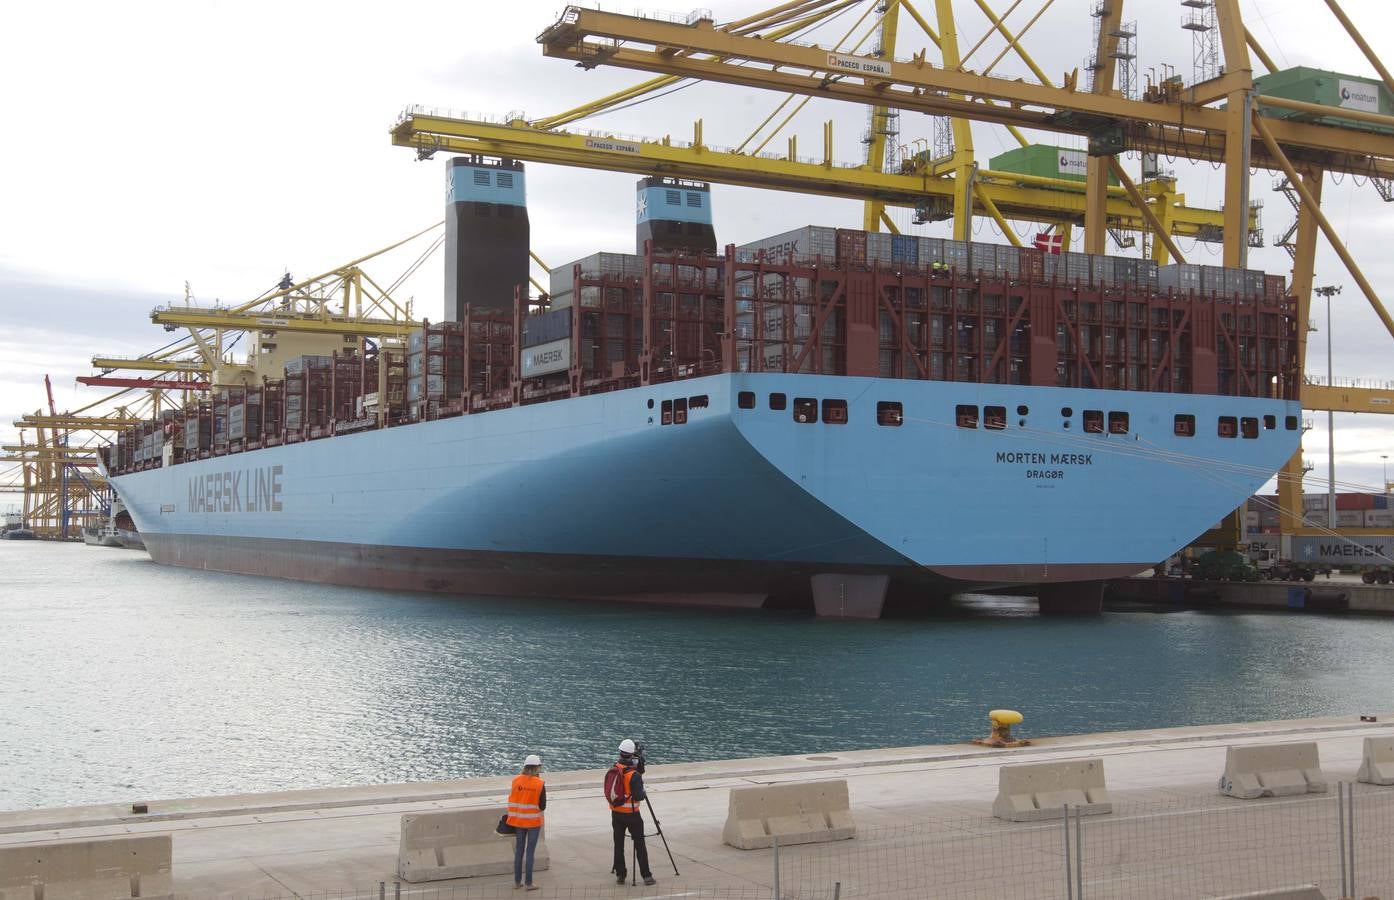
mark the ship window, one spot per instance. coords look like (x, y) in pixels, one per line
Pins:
(1270, 422)
(890, 413)
(674, 227)
(1290, 423)
(667, 412)
(746, 399)
(1229, 427)
(481, 177)
(650, 403)
(1185, 426)
(694, 200)
(1248, 427)
(835, 412)
(966, 416)
(1023, 410)
(778, 401)
(698, 402)
(805, 410)
(1117, 423)
(1094, 421)
(505, 179)
(680, 411)
(673, 198)
(995, 417)
(481, 209)
(1067, 412)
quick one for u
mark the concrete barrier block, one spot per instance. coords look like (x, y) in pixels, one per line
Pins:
(804, 813)
(1272, 770)
(1377, 763)
(103, 869)
(1029, 793)
(459, 843)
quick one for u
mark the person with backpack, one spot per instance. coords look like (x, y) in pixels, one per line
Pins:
(624, 789)
(527, 798)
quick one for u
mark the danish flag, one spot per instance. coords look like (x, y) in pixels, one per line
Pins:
(1050, 243)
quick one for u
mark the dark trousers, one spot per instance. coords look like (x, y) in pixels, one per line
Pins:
(634, 824)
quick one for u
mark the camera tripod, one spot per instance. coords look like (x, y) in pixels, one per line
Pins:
(633, 851)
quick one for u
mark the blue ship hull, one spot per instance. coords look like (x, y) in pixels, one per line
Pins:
(595, 497)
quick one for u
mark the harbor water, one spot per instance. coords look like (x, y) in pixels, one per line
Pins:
(124, 680)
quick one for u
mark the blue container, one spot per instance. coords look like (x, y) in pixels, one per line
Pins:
(905, 248)
(1381, 501)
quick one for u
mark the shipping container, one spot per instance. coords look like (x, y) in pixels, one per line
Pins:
(1379, 518)
(805, 243)
(879, 248)
(851, 247)
(1355, 501)
(905, 249)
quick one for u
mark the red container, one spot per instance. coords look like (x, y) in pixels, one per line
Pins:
(851, 247)
(1355, 501)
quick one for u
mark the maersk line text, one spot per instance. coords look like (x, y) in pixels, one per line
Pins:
(238, 490)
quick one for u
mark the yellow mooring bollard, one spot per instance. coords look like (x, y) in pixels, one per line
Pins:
(1002, 721)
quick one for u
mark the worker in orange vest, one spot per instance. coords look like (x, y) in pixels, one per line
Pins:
(624, 789)
(527, 798)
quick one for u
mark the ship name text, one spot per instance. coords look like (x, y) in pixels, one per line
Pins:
(237, 490)
(1036, 462)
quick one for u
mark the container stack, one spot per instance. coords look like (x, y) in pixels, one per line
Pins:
(345, 385)
(435, 366)
(562, 282)
(307, 396)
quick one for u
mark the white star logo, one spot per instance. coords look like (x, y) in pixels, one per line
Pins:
(642, 206)
(449, 185)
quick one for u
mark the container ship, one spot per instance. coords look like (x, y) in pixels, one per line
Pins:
(847, 422)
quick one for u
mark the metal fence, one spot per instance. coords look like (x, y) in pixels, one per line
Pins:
(1162, 846)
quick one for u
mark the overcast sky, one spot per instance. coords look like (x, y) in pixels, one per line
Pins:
(147, 144)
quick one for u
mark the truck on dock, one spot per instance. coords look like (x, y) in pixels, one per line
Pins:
(1377, 574)
(1224, 565)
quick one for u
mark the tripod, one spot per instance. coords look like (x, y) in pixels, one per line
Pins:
(634, 851)
(659, 825)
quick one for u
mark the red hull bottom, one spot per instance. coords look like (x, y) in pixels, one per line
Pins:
(730, 584)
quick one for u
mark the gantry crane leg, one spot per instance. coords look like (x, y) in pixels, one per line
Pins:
(1096, 174)
(1303, 268)
(963, 165)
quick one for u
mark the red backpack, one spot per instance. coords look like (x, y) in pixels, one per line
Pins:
(615, 793)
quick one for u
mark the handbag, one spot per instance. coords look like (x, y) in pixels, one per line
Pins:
(503, 827)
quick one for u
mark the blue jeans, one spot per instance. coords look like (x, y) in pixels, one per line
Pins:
(526, 837)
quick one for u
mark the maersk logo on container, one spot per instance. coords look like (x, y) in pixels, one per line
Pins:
(1358, 95)
(237, 490)
(1074, 162)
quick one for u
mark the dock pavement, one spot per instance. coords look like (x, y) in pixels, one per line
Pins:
(343, 841)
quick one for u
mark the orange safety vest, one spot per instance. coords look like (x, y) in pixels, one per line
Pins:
(523, 811)
(632, 806)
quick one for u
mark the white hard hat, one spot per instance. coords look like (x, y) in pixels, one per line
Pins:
(533, 760)
(626, 746)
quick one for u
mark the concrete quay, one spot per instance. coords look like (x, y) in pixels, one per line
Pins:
(344, 840)
(1327, 594)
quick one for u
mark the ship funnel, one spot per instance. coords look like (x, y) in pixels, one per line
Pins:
(674, 214)
(486, 233)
